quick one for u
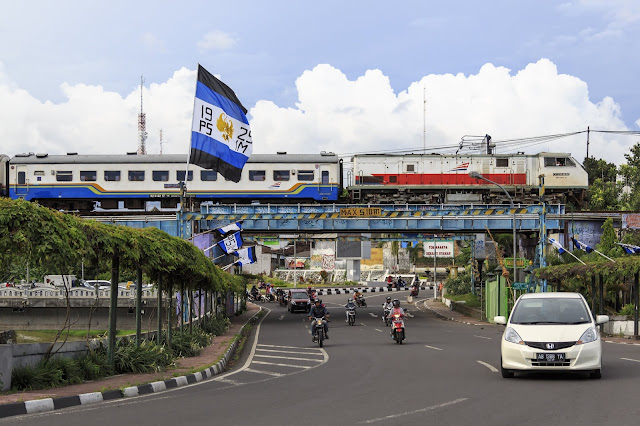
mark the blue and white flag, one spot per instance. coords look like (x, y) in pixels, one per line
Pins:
(557, 245)
(629, 248)
(246, 255)
(220, 132)
(232, 227)
(580, 245)
(231, 243)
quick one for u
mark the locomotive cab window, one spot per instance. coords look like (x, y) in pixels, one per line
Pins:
(180, 175)
(112, 175)
(88, 175)
(136, 175)
(558, 161)
(411, 168)
(257, 175)
(306, 175)
(160, 175)
(208, 175)
(502, 162)
(281, 175)
(64, 176)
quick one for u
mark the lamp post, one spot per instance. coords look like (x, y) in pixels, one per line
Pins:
(476, 175)
(489, 277)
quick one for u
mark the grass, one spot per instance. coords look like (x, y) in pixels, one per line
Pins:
(469, 299)
(46, 336)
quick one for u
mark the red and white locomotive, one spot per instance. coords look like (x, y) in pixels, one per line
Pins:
(435, 179)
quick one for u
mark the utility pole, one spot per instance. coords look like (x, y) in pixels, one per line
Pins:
(424, 120)
(588, 131)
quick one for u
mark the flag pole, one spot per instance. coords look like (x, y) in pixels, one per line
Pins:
(567, 251)
(606, 257)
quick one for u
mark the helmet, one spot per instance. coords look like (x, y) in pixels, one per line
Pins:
(317, 301)
(349, 300)
(388, 298)
(396, 303)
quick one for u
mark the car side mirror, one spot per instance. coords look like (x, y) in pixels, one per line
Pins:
(500, 320)
(601, 319)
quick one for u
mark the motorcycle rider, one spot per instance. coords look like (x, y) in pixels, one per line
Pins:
(319, 311)
(356, 296)
(254, 292)
(397, 310)
(386, 308)
(348, 306)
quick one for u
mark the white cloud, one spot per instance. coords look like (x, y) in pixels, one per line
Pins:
(333, 113)
(216, 40)
(154, 43)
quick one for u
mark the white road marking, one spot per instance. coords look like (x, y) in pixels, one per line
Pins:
(363, 324)
(278, 346)
(377, 329)
(291, 352)
(410, 315)
(281, 365)
(269, 373)
(231, 382)
(281, 317)
(432, 347)
(629, 359)
(489, 366)
(373, 315)
(289, 357)
(422, 410)
(482, 337)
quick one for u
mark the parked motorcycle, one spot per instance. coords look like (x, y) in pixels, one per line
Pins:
(397, 328)
(319, 334)
(351, 315)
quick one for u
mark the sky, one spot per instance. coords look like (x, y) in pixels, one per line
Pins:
(341, 76)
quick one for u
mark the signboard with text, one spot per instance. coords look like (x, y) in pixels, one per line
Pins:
(442, 248)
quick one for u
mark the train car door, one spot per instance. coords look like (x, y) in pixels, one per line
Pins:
(21, 185)
(324, 187)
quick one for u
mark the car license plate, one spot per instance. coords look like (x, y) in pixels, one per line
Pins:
(554, 357)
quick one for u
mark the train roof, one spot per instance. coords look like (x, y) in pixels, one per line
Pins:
(31, 158)
(434, 154)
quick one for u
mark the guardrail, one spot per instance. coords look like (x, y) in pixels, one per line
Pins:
(74, 293)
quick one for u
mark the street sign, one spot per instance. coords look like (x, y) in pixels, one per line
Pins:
(361, 212)
(521, 262)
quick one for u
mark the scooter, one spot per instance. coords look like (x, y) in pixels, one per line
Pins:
(397, 328)
(414, 290)
(319, 335)
(385, 317)
(351, 315)
(361, 302)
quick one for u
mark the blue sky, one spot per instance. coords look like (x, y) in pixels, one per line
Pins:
(342, 76)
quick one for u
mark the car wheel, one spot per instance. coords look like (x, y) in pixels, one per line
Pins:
(507, 374)
(595, 374)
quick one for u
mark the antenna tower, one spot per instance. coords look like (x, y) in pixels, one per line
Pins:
(142, 124)
(161, 142)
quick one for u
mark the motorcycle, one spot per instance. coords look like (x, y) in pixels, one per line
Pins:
(385, 317)
(270, 297)
(319, 334)
(397, 328)
(351, 315)
(360, 301)
(401, 283)
(414, 290)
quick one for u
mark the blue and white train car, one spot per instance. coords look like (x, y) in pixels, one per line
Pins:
(77, 182)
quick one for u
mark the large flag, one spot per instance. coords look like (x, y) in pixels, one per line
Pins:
(231, 243)
(246, 255)
(232, 227)
(557, 245)
(220, 132)
(580, 245)
(629, 249)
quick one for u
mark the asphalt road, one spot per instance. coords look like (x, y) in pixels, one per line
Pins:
(444, 373)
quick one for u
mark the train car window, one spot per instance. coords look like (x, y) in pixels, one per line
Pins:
(88, 175)
(112, 175)
(549, 161)
(180, 175)
(22, 178)
(325, 177)
(257, 175)
(160, 175)
(502, 162)
(208, 175)
(136, 175)
(38, 173)
(410, 168)
(306, 175)
(281, 175)
(569, 162)
(64, 175)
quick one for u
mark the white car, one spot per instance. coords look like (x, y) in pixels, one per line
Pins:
(551, 332)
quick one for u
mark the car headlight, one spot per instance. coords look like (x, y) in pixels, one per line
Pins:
(590, 335)
(293, 303)
(510, 335)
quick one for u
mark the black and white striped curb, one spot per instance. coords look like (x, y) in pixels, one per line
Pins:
(381, 289)
(50, 404)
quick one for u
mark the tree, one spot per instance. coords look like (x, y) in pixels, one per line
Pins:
(604, 195)
(600, 169)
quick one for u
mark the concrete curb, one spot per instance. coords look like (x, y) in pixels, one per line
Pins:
(443, 316)
(380, 289)
(50, 404)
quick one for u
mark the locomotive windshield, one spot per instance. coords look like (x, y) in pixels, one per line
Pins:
(558, 161)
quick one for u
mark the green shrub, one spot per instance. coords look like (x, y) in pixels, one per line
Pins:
(26, 378)
(460, 284)
(147, 358)
(189, 344)
(215, 326)
(628, 310)
(71, 372)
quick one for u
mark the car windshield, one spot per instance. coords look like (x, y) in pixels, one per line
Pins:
(299, 295)
(550, 311)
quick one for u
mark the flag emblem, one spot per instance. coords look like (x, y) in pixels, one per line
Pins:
(461, 168)
(225, 127)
